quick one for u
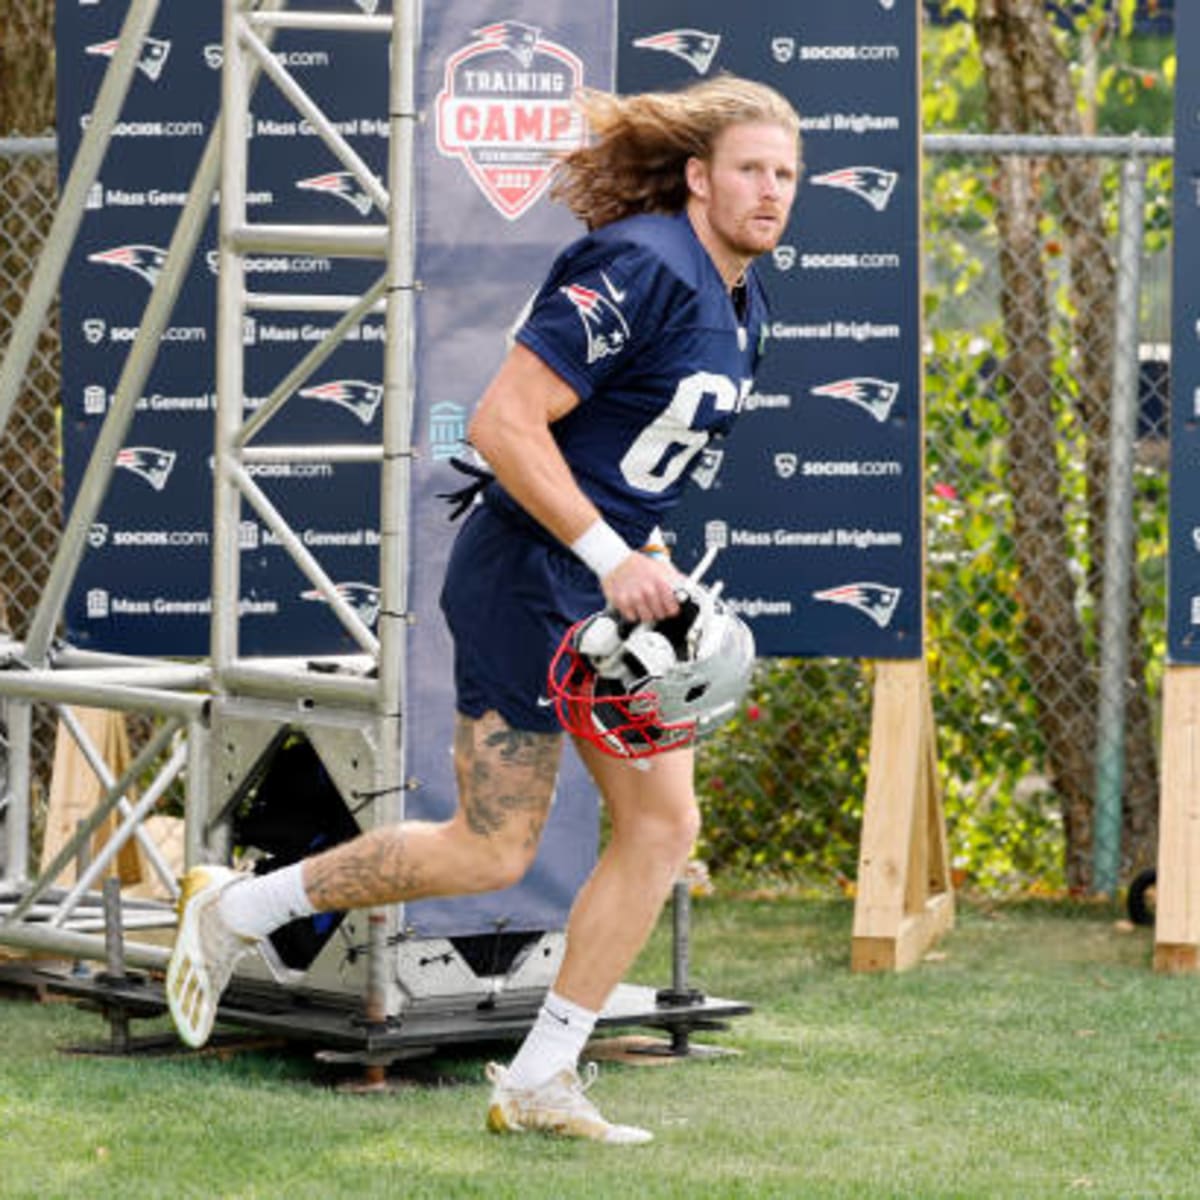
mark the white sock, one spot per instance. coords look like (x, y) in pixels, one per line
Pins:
(556, 1041)
(258, 906)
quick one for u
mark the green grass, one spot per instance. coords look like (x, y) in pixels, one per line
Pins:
(1036, 1055)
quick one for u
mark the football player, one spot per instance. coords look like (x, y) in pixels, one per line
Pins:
(634, 356)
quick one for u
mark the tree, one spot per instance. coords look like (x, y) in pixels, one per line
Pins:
(1027, 74)
(26, 67)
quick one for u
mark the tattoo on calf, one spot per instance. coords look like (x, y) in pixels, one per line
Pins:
(372, 869)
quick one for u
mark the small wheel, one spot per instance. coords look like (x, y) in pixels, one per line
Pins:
(1140, 900)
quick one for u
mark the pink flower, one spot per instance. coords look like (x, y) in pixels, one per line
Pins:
(944, 491)
(753, 712)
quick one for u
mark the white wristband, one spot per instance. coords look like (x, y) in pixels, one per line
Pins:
(601, 547)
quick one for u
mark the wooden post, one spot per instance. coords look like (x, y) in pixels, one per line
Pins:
(904, 899)
(1177, 900)
(75, 791)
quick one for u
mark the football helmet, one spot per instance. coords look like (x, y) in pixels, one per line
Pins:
(635, 690)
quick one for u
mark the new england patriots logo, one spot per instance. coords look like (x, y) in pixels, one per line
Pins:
(146, 261)
(874, 600)
(362, 598)
(872, 184)
(151, 60)
(603, 322)
(519, 39)
(875, 395)
(694, 46)
(341, 184)
(354, 395)
(148, 463)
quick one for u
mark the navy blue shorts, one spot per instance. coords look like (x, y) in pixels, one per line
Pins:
(508, 597)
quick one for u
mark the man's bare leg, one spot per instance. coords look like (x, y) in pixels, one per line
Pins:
(655, 822)
(506, 780)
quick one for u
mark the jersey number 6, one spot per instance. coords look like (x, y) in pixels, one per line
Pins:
(663, 450)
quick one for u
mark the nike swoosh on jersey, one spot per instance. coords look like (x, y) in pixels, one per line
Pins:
(617, 295)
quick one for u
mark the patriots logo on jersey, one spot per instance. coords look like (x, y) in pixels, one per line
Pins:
(519, 39)
(707, 467)
(874, 600)
(341, 184)
(694, 46)
(363, 598)
(146, 261)
(875, 395)
(148, 463)
(151, 60)
(354, 395)
(603, 322)
(872, 184)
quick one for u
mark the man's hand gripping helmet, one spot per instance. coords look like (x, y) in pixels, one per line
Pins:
(635, 690)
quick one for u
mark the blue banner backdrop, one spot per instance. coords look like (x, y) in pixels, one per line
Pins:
(1183, 599)
(498, 94)
(816, 503)
(816, 499)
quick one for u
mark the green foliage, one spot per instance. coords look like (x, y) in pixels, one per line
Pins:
(1125, 80)
(782, 787)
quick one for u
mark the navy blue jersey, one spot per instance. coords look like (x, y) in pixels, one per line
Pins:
(637, 320)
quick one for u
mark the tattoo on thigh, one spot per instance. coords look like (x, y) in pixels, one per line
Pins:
(518, 748)
(509, 775)
(490, 814)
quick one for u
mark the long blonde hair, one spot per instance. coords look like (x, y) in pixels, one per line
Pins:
(640, 144)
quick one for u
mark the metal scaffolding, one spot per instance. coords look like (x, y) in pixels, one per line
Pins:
(373, 990)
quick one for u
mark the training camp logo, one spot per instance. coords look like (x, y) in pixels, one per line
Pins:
(872, 184)
(693, 46)
(875, 395)
(874, 600)
(145, 261)
(361, 597)
(151, 61)
(603, 321)
(354, 395)
(505, 112)
(148, 463)
(341, 184)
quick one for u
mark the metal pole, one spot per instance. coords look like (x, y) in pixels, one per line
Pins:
(231, 288)
(69, 213)
(398, 389)
(20, 733)
(1118, 538)
(114, 959)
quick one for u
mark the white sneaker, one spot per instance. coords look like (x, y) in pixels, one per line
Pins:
(557, 1106)
(205, 953)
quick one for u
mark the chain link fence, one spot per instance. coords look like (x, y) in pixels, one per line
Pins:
(1022, 348)
(30, 459)
(1037, 684)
